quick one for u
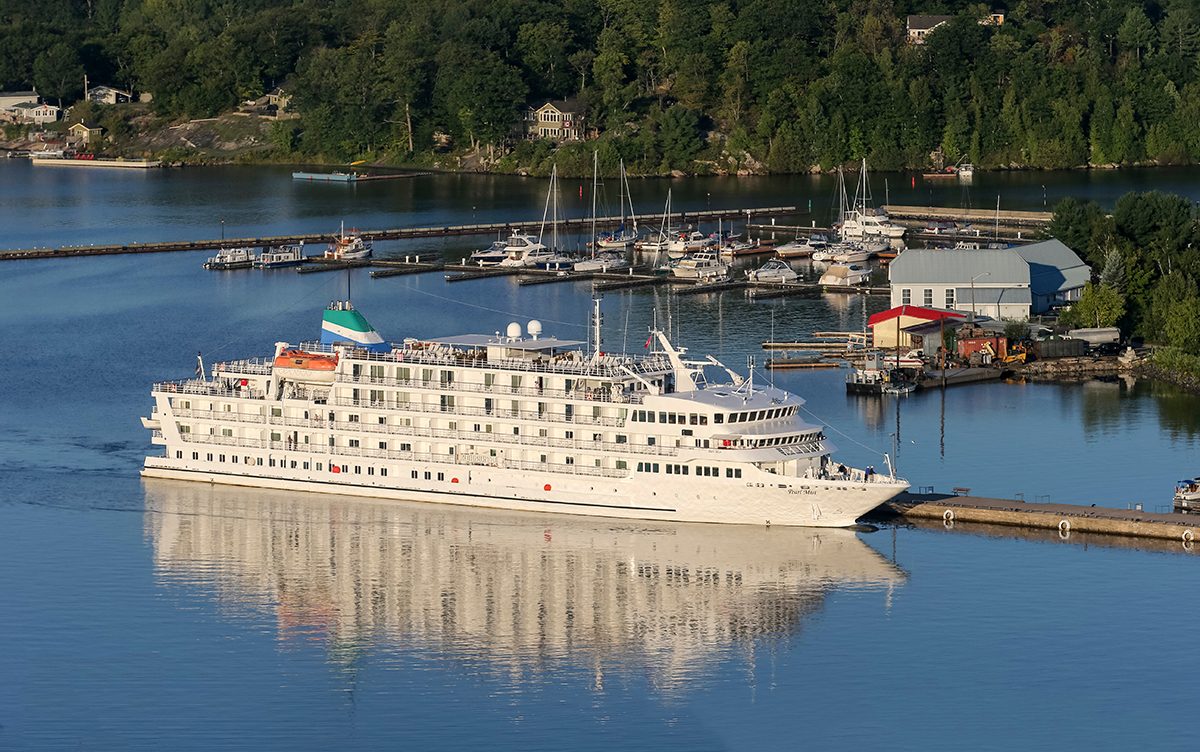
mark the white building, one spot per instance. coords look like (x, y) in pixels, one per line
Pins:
(1009, 283)
(38, 113)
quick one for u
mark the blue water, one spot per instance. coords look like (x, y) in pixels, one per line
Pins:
(182, 616)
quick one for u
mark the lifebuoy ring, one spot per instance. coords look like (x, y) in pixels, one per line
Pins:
(948, 515)
(1188, 536)
(172, 388)
(1064, 526)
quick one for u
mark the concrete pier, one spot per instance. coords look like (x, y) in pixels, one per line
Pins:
(1063, 519)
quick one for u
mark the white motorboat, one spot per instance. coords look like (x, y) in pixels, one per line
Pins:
(230, 258)
(685, 243)
(845, 275)
(608, 261)
(852, 253)
(775, 270)
(492, 255)
(701, 265)
(524, 250)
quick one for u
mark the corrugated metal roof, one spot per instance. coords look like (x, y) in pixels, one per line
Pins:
(956, 266)
(917, 312)
(1047, 267)
(1053, 267)
(994, 295)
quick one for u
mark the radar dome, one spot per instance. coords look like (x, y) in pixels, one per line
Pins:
(535, 328)
(514, 330)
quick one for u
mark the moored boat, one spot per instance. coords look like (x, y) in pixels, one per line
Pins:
(775, 270)
(283, 256)
(521, 421)
(230, 258)
(348, 246)
(845, 275)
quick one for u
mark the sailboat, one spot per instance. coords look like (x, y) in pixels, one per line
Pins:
(606, 260)
(622, 238)
(657, 241)
(861, 220)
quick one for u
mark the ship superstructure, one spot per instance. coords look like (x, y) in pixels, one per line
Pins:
(517, 421)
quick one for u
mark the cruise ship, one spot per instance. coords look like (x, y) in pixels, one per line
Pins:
(517, 421)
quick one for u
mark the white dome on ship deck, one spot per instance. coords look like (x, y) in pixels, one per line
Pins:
(535, 328)
(514, 330)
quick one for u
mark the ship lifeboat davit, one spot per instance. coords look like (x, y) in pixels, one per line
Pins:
(297, 365)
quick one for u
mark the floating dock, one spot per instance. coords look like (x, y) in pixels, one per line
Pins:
(135, 164)
(1065, 519)
(578, 226)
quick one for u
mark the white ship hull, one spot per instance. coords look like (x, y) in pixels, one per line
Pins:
(774, 500)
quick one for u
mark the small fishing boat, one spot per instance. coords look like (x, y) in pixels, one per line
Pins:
(230, 258)
(1187, 495)
(348, 246)
(775, 270)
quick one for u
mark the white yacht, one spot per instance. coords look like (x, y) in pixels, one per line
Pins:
(607, 261)
(492, 255)
(775, 270)
(524, 250)
(845, 275)
(813, 244)
(230, 258)
(684, 243)
(861, 220)
(348, 246)
(517, 421)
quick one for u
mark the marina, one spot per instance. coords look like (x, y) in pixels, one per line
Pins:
(279, 619)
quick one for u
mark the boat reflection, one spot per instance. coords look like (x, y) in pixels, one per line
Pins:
(509, 589)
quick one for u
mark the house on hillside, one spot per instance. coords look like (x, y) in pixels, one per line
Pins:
(559, 120)
(85, 132)
(108, 95)
(38, 113)
(10, 99)
(920, 26)
(1003, 283)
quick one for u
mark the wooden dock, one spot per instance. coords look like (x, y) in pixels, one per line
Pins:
(975, 216)
(1064, 519)
(569, 226)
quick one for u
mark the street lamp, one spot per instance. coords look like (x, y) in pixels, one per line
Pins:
(977, 276)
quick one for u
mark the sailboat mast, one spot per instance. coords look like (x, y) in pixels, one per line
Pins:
(595, 181)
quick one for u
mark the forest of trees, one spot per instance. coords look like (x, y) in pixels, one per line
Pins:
(791, 83)
(1146, 258)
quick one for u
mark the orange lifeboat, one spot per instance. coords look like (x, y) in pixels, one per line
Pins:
(298, 365)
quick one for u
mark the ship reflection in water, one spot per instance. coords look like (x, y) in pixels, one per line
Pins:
(508, 590)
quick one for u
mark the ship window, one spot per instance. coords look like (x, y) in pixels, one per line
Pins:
(597, 437)
(383, 445)
(407, 448)
(662, 417)
(704, 420)
(621, 438)
(320, 466)
(737, 472)
(516, 430)
(693, 419)
(489, 379)
(377, 372)
(622, 465)
(272, 460)
(569, 412)
(596, 412)
(640, 468)
(542, 458)
(685, 469)
(228, 408)
(276, 412)
(654, 467)
(687, 432)
(383, 471)
(719, 418)
(185, 429)
(293, 464)
(729, 472)
(344, 468)
(258, 461)
(178, 455)
(306, 466)
(570, 460)
(352, 418)
(447, 377)
(568, 434)
(516, 382)
(441, 476)
(370, 471)
(670, 471)
(426, 375)
(227, 432)
(352, 442)
(414, 474)
(222, 458)
(671, 418)
(403, 374)
(650, 440)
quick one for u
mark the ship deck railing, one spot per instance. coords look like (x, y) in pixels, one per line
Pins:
(501, 390)
(607, 366)
(456, 435)
(471, 460)
(204, 388)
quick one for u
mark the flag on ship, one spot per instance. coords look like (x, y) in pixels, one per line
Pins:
(344, 324)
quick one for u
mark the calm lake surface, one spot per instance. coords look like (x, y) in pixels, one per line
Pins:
(168, 615)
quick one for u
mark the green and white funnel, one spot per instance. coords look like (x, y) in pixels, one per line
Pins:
(342, 323)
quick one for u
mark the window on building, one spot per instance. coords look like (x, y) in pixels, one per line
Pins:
(905, 296)
(928, 298)
(949, 297)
